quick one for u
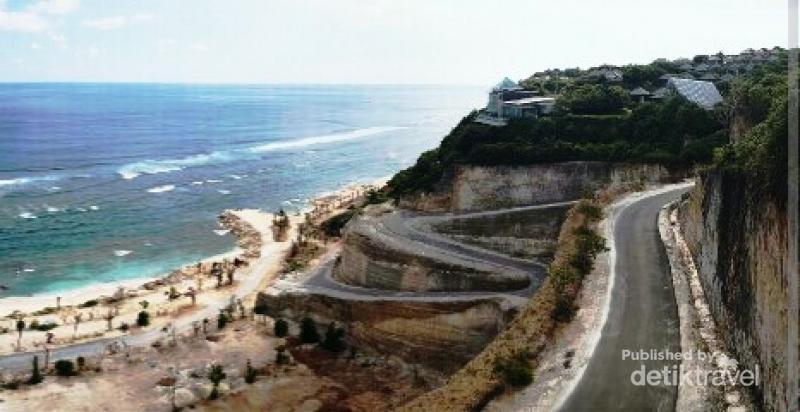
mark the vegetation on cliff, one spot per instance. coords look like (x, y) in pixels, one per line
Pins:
(509, 360)
(674, 132)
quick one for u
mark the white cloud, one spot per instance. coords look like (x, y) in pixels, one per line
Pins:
(107, 23)
(21, 21)
(35, 46)
(33, 18)
(59, 39)
(117, 22)
(198, 47)
(54, 6)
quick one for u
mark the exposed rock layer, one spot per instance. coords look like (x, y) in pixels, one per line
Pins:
(495, 187)
(737, 237)
(440, 335)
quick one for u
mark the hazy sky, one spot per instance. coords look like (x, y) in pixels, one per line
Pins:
(363, 41)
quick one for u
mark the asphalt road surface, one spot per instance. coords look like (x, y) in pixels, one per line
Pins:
(642, 316)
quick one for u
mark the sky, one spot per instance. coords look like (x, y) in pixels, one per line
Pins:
(363, 41)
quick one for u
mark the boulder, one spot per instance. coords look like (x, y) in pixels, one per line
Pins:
(184, 397)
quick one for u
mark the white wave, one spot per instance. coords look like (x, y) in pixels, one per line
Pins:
(197, 183)
(222, 232)
(93, 207)
(55, 188)
(27, 215)
(161, 189)
(52, 209)
(25, 180)
(235, 177)
(328, 138)
(224, 192)
(151, 167)
(80, 209)
(29, 270)
(121, 253)
(213, 181)
(148, 244)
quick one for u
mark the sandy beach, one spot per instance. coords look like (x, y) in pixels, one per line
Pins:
(253, 265)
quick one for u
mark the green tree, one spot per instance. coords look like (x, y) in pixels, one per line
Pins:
(308, 331)
(281, 328)
(143, 319)
(36, 375)
(593, 99)
(334, 338)
(215, 374)
(65, 367)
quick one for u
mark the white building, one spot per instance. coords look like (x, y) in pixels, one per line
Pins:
(507, 100)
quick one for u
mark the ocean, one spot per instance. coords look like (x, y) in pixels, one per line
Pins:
(112, 182)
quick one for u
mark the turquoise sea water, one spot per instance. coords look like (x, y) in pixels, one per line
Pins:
(105, 182)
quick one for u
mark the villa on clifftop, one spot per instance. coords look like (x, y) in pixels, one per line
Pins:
(508, 100)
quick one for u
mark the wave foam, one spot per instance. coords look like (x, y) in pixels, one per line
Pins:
(328, 138)
(27, 215)
(121, 253)
(161, 189)
(222, 232)
(151, 167)
(25, 180)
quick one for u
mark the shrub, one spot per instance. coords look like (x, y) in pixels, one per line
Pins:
(334, 339)
(308, 331)
(280, 356)
(81, 361)
(281, 328)
(515, 371)
(143, 319)
(65, 367)
(333, 226)
(89, 304)
(222, 320)
(36, 375)
(43, 327)
(216, 374)
(250, 373)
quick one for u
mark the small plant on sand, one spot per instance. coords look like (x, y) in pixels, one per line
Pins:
(515, 370)
(280, 356)
(308, 331)
(281, 328)
(65, 367)
(36, 375)
(143, 319)
(173, 293)
(81, 361)
(20, 329)
(215, 374)
(249, 373)
(334, 339)
(222, 320)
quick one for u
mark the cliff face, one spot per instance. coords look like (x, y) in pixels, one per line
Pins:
(485, 188)
(417, 332)
(738, 241)
(374, 259)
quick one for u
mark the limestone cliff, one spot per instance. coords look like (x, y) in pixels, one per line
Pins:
(440, 335)
(738, 240)
(485, 188)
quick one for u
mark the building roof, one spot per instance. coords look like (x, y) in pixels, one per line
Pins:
(702, 93)
(659, 93)
(708, 76)
(639, 91)
(507, 84)
(531, 100)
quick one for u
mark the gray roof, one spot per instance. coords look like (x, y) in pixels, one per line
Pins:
(659, 93)
(702, 93)
(639, 91)
(507, 84)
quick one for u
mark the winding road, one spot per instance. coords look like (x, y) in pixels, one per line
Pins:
(412, 230)
(642, 315)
